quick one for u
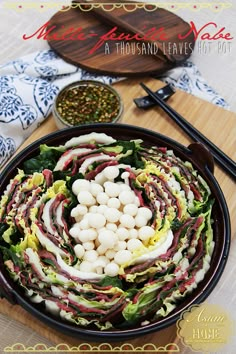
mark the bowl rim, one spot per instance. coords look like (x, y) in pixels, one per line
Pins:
(115, 335)
(77, 83)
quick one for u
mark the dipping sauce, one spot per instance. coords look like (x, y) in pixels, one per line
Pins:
(87, 102)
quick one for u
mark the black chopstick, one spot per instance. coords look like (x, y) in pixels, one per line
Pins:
(221, 158)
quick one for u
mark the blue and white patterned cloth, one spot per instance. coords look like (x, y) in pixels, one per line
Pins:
(188, 78)
(29, 85)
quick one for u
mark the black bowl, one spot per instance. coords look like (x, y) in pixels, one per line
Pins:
(201, 160)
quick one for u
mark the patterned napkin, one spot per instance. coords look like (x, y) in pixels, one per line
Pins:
(188, 78)
(29, 85)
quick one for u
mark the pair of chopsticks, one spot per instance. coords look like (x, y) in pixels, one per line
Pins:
(224, 161)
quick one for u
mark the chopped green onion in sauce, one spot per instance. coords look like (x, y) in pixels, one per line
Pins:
(88, 103)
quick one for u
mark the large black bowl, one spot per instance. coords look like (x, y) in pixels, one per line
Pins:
(200, 158)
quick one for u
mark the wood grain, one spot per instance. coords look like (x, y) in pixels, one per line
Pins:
(216, 123)
(123, 57)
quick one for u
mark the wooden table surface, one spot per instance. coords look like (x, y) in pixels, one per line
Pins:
(216, 123)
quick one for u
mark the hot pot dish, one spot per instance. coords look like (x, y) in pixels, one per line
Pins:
(107, 234)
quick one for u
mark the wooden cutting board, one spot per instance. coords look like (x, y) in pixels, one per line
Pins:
(216, 123)
(120, 57)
